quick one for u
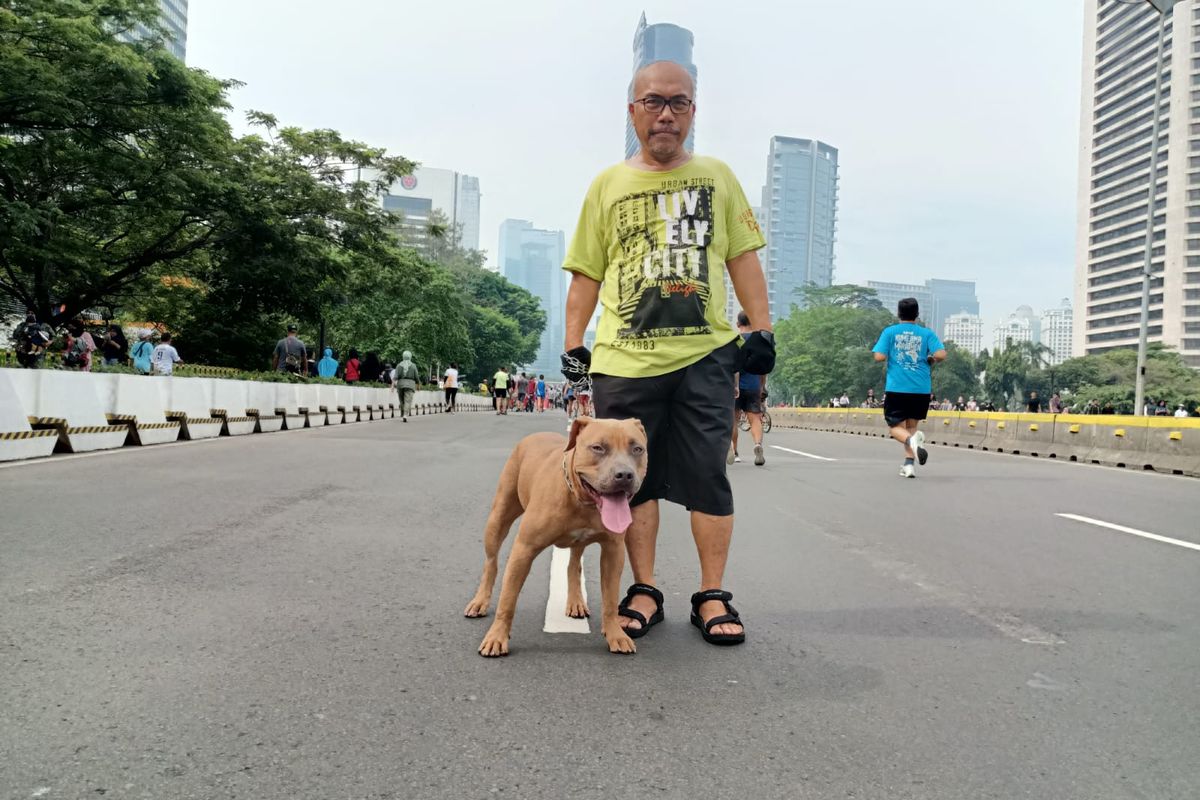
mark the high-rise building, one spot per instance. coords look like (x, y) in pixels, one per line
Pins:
(965, 330)
(1119, 72)
(660, 42)
(173, 16)
(1056, 331)
(799, 201)
(532, 259)
(1014, 329)
(938, 299)
(416, 196)
(732, 306)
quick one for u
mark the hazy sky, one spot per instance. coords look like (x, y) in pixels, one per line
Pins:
(956, 120)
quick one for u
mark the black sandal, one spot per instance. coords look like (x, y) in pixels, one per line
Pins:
(623, 610)
(730, 615)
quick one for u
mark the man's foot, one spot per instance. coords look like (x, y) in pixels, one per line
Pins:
(727, 632)
(759, 458)
(737, 459)
(404, 419)
(907, 471)
(731, 455)
(917, 442)
(641, 603)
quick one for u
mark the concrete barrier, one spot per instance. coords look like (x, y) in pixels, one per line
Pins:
(189, 401)
(309, 398)
(1175, 445)
(327, 402)
(1035, 432)
(18, 439)
(287, 405)
(231, 399)
(67, 403)
(136, 402)
(1121, 443)
(261, 406)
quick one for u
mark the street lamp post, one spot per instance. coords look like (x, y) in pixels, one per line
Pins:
(1163, 7)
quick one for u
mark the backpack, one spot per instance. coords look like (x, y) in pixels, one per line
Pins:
(76, 355)
(291, 361)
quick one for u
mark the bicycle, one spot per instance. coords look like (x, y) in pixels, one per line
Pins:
(744, 421)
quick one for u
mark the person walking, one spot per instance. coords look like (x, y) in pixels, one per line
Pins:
(353, 366)
(909, 350)
(540, 388)
(165, 356)
(656, 238)
(500, 391)
(1056, 403)
(142, 352)
(404, 379)
(748, 399)
(80, 346)
(451, 387)
(327, 367)
(30, 340)
(114, 347)
(290, 354)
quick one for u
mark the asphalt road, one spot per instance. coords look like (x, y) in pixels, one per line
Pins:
(280, 617)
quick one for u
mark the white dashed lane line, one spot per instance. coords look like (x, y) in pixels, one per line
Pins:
(1131, 531)
(802, 453)
(557, 620)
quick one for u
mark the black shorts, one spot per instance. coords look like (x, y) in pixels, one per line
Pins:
(501, 393)
(899, 406)
(688, 417)
(749, 401)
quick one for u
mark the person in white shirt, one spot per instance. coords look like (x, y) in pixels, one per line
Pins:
(1181, 411)
(165, 356)
(450, 384)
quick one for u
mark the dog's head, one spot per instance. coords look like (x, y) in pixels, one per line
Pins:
(608, 465)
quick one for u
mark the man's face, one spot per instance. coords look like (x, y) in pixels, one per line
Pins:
(662, 133)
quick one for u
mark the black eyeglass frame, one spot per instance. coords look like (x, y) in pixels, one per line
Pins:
(686, 102)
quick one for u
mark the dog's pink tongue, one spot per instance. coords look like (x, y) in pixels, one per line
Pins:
(614, 511)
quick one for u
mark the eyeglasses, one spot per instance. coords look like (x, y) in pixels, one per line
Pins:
(655, 104)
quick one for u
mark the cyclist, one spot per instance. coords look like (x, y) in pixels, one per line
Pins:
(748, 397)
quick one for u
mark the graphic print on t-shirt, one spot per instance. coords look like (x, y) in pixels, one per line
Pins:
(663, 285)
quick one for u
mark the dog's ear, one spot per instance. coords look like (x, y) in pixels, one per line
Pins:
(637, 423)
(579, 424)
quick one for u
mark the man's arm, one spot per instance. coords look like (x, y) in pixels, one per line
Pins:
(881, 357)
(940, 355)
(582, 297)
(750, 286)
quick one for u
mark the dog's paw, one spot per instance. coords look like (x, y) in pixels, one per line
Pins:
(577, 609)
(476, 608)
(621, 643)
(493, 646)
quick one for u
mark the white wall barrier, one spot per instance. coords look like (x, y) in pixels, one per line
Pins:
(136, 402)
(231, 399)
(262, 407)
(67, 403)
(190, 401)
(18, 439)
(309, 399)
(327, 402)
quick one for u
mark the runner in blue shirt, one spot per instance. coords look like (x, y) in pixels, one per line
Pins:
(910, 351)
(541, 393)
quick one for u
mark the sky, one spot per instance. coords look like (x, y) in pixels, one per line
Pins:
(957, 123)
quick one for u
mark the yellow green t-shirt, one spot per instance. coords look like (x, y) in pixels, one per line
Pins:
(658, 242)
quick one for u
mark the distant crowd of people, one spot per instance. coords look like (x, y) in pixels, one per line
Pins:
(1032, 404)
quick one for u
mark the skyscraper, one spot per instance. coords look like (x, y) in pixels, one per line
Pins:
(660, 42)
(965, 330)
(938, 299)
(1119, 72)
(532, 259)
(416, 196)
(799, 202)
(1017, 328)
(173, 16)
(1056, 331)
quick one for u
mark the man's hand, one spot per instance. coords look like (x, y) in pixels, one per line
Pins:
(757, 355)
(576, 363)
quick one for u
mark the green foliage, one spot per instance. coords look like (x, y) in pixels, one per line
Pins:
(957, 375)
(826, 350)
(845, 295)
(1108, 378)
(497, 340)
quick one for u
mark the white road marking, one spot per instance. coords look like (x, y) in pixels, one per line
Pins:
(557, 620)
(802, 453)
(1133, 531)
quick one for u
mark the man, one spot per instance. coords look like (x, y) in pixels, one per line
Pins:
(522, 391)
(1180, 411)
(405, 378)
(656, 236)
(165, 356)
(500, 391)
(1034, 404)
(1056, 403)
(747, 399)
(910, 350)
(292, 356)
(31, 339)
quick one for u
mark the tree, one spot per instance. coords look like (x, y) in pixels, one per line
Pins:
(844, 295)
(112, 155)
(826, 350)
(956, 376)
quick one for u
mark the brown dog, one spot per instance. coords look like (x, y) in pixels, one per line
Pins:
(568, 493)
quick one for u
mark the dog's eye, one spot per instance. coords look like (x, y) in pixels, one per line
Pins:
(597, 448)
(637, 450)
